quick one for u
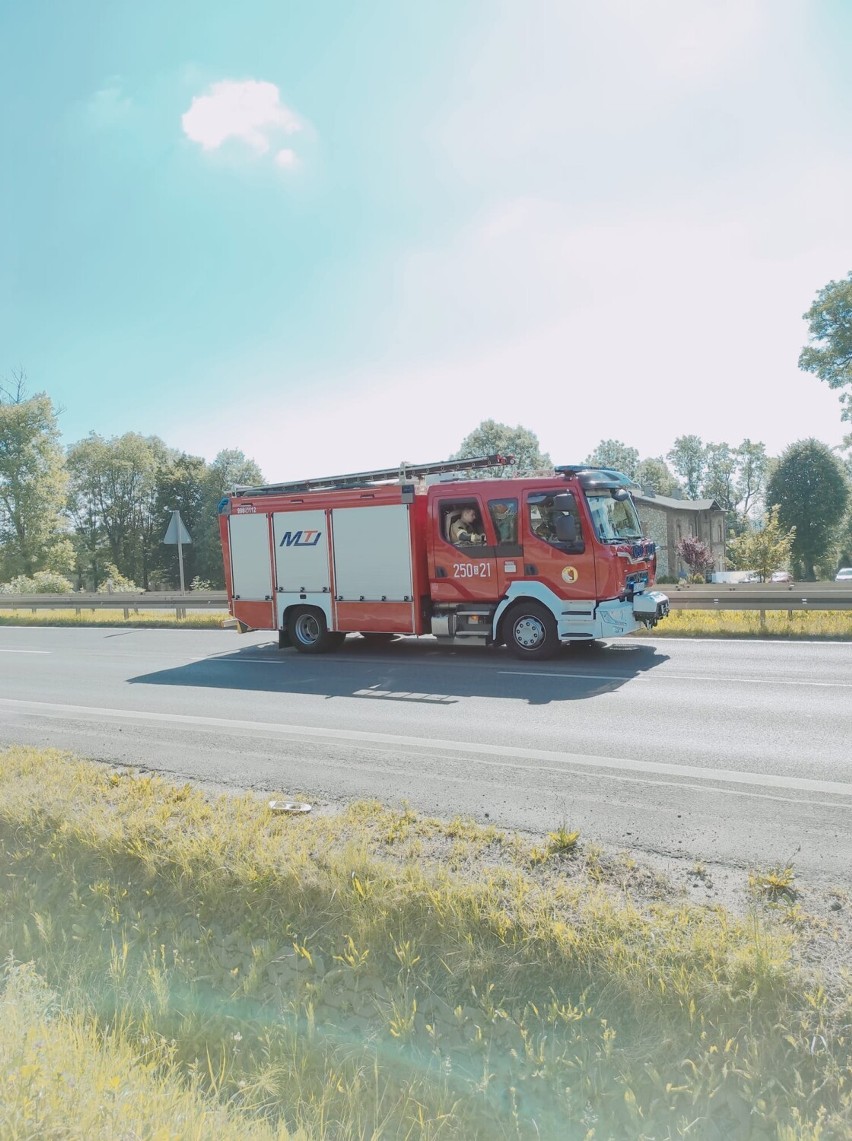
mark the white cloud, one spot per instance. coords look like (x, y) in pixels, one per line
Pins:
(247, 111)
(286, 159)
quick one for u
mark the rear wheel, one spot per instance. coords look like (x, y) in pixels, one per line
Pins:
(309, 633)
(529, 631)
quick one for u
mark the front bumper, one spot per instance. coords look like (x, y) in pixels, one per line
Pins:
(650, 606)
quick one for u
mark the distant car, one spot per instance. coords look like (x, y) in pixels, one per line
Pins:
(844, 575)
(781, 576)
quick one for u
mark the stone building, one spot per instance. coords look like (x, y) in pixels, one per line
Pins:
(667, 520)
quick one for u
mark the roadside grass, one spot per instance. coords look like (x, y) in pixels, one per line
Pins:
(747, 623)
(680, 623)
(195, 620)
(63, 1076)
(375, 973)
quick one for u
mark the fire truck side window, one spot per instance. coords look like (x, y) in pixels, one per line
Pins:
(461, 524)
(504, 516)
(542, 519)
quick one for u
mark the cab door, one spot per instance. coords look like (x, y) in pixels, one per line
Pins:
(462, 570)
(566, 566)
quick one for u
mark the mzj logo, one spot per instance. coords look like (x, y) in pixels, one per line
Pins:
(300, 538)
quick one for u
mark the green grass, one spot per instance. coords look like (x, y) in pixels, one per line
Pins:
(334, 973)
(63, 1076)
(747, 623)
(195, 619)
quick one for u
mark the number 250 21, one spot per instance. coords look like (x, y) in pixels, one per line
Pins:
(471, 570)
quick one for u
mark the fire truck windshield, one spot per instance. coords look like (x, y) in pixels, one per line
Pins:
(614, 519)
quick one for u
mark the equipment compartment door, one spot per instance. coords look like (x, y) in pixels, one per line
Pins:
(301, 551)
(251, 563)
(251, 569)
(372, 569)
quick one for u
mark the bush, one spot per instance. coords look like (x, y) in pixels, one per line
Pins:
(42, 582)
(114, 580)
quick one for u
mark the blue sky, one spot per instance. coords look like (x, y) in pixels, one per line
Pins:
(340, 235)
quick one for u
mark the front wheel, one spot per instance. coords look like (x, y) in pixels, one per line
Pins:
(529, 631)
(309, 633)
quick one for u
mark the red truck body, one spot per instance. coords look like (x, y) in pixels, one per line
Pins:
(552, 560)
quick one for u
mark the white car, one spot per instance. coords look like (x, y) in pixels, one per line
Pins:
(844, 575)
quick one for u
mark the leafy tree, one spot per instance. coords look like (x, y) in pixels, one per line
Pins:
(492, 438)
(113, 501)
(689, 460)
(655, 473)
(720, 476)
(753, 469)
(229, 469)
(32, 484)
(765, 549)
(615, 454)
(181, 482)
(810, 490)
(830, 327)
(696, 554)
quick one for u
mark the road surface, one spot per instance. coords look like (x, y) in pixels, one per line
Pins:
(736, 752)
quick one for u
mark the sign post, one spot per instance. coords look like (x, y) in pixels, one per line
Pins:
(177, 534)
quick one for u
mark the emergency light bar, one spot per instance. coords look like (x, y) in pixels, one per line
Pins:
(405, 473)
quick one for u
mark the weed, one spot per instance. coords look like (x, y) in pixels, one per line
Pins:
(775, 883)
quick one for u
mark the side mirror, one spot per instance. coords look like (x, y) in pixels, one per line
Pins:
(564, 501)
(566, 528)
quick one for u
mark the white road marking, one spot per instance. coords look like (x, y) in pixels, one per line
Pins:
(555, 762)
(657, 675)
(3, 650)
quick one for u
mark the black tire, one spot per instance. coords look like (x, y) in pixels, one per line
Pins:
(529, 631)
(309, 633)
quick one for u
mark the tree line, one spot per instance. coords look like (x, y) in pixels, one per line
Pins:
(95, 514)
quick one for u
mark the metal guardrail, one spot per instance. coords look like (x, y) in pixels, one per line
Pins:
(721, 596)
(761, 596)
(124, 600)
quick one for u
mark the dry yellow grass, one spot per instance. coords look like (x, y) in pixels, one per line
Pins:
(195, 619)
(747, 623)
(332, 973)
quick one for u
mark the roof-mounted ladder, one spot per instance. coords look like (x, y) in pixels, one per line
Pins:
(405, 473)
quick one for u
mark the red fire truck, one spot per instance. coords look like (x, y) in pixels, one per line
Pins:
(533, 563)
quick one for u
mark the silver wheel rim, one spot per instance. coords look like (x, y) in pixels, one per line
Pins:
(529, 632)
(307, 629)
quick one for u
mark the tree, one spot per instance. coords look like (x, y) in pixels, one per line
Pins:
(33, 481)
(696, 554)
(753, 469)
(492, 438)
(614, 454)
(655, 474)
(830, 329)
(720, 477)
(810, 490)
(113, 501)
(689, 461)
(229, 469)
(764, 550)
(180, 486)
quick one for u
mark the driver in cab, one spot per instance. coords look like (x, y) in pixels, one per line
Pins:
(467, 528)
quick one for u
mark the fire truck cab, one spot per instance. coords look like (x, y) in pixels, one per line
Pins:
(534, 563)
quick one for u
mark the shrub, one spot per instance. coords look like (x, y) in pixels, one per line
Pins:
(42, 582)
(114, 580)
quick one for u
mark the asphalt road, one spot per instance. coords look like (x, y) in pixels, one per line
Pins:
(737, 752)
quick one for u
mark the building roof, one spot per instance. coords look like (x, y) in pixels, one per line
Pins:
(677, 504)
